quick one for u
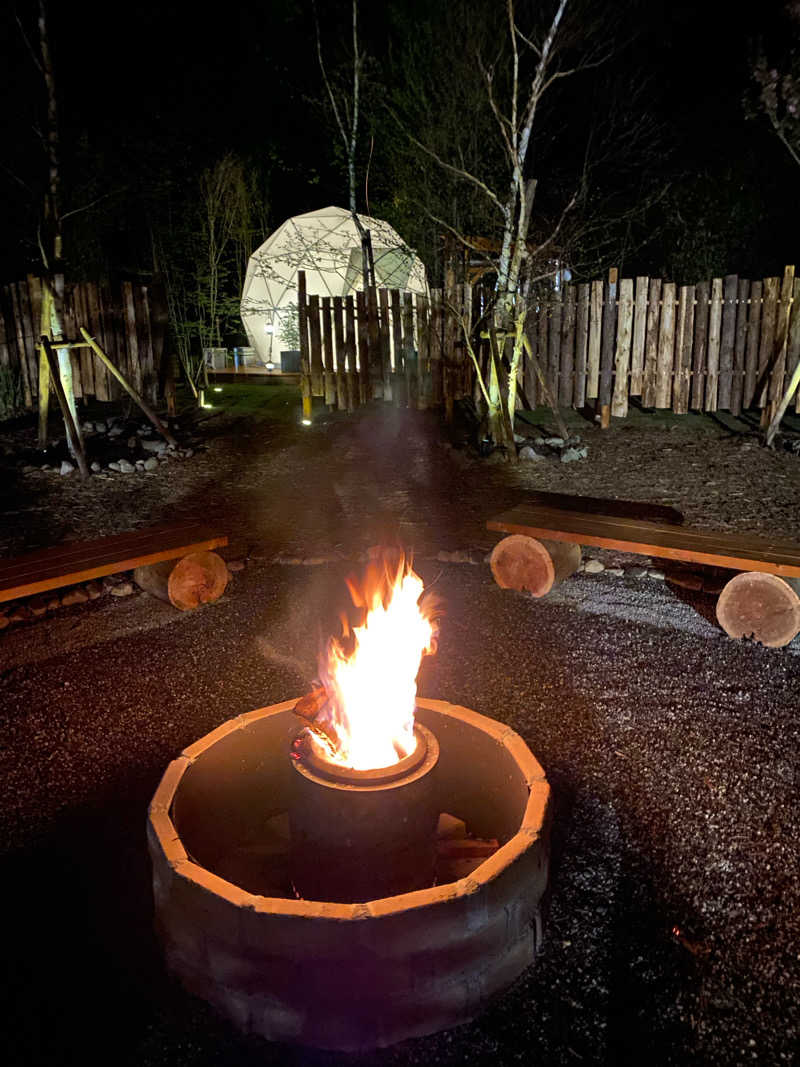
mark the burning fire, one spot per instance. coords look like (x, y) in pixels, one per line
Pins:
(365, 708)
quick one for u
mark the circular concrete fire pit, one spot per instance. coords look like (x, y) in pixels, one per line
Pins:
(332, 975)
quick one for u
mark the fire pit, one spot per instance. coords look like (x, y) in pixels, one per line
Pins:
(335, 975)
(371, 875)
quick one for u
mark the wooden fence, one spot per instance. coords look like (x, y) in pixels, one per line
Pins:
(384, 344)
(725, 344)
(128, 320)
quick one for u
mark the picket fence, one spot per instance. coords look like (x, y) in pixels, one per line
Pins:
(724, 344)
(129, 320)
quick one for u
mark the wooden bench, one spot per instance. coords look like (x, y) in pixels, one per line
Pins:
(762, 602)
(53, 568)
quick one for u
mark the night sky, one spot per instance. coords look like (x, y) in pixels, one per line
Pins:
(153, 93)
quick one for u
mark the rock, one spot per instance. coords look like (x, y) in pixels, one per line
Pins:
(114, 465)
(125, 467)
(529, 455)
(87, 427)
(618, 572)
(115, 431)
(151, 464)
(139, 464)
(235, 565)
(570, 455)
(66, 467)
(94, 590)
(154, 446)
(100, 426)
(518, 439)
(122, 589)
(45, 467)
(54, 602)
(188, 453)
(658, 575)
(553, 442)
(133, 442)
(593, 566)
(74, 596)
(19, 614)
(637, 572)
(37, 606)
(95, 467)
(29, 469)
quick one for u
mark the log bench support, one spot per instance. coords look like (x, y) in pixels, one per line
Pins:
(762, 603)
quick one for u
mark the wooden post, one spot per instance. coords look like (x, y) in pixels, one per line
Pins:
(16, 314)
(435, 347)
(350, 352)
(595, 341)
(409, 355)
(364, 393)
(761, 606)
(683, 350)
(423, 363)
(386, 345)
(714, 337)
(666, 347)
(397, 344)
(44, 368)
(341, 355)
(73, 439)
(607, 349)
(554, 345)
(730, 287)
(305, 357)
(737, 376)
(315, 344)
(780, 411)
(639, 332)
(148, 411)
(753, 337)
(327, 349)
(778, 373)
(566, 375)
(699, 345)
(619, 406)
(651, 344)
(766, 348)
(581, 343)
(793, 346)
(375, 379)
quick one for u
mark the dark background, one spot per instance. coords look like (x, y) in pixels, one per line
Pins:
(150, 94)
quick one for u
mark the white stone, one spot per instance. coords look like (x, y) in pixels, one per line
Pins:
(593, 566)
(529, 455)
(154, 446)
(125, 467)
(96, 467)
(151, 464)
(123, 589)
(66, 467)
(658, 575)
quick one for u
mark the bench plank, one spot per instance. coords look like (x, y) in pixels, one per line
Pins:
(68, 564)
(735, 551)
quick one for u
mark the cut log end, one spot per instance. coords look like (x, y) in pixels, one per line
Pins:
(199, 578)
(525, 563)
(763, 607)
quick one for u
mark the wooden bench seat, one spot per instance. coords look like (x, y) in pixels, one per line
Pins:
(761, 603)
(741, 552)
(68, 564)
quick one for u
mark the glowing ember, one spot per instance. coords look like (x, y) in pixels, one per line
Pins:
(370, 673)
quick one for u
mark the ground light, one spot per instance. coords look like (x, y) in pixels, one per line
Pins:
(217, 388)
(305, 422)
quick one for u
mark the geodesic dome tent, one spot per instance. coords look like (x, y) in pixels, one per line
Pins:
(326, 244)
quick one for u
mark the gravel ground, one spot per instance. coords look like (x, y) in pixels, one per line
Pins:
(674, 927)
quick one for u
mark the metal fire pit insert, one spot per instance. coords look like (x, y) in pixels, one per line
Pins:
(346, 976)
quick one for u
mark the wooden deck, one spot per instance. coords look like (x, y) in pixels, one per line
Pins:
(666, 541)
(52, 568)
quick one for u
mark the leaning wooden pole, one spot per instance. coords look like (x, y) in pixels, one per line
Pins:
(772, 429)
(550, 400)
(44, 366)
(123, 381)
(73, 437)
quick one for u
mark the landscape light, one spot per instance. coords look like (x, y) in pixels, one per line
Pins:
(306, 422)
(217, 388)
(270, 365)
(268, 327)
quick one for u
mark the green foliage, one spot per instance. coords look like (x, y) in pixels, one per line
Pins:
(10, 392)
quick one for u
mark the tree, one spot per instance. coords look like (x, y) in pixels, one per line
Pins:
(345, 104)
(777, 95)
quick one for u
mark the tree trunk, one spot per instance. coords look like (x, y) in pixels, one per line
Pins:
(763, 607)
(521, 562)
(199, 578)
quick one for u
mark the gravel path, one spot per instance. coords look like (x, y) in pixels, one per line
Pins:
(674, 929)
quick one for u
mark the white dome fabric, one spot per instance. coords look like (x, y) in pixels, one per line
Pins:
(325, 244)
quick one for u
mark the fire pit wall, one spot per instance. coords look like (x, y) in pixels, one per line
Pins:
(347, 976)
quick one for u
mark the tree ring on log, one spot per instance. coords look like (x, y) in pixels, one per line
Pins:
(522, 562)
(763, 607)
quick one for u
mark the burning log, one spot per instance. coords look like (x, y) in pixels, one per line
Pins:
(199, 578)
(761, 606)
(521, 562)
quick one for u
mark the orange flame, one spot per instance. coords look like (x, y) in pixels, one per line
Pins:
(370, 673)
